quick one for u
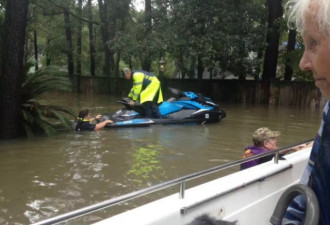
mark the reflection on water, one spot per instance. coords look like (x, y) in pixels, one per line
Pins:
(145, 165)
(47, 176)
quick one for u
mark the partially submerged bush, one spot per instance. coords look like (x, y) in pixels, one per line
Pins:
(42, 118)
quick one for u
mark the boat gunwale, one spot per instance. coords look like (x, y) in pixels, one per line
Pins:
(167, 184)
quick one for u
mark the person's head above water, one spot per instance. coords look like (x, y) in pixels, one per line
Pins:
(265, 138)
(83, 113)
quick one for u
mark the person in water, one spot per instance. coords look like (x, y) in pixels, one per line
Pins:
(264, 140)
(312, 19)
(146, 89)
(86, 122)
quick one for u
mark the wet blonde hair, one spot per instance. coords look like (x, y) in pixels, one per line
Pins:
(297, 9)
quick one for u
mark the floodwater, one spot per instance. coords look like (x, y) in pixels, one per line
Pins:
(47, 176)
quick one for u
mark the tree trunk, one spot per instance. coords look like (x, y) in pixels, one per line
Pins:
(105, 36)
(122, 29)
(79, 37)
(258, 65)
(117, 64)
(275, 11)
(12, 68)
(146, 63)
(181, 65)
(290, 48)
(48, 60)
(192, 69)
(35, 43)
(211, 73)
(91, 38)
(200, 70)
(68, 37)
(112, 25)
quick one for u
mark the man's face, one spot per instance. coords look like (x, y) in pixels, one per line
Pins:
(316, 57)
(127, 76)
(271, 143)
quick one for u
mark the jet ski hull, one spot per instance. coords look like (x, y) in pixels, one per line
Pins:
(209, 117)
(186, 109)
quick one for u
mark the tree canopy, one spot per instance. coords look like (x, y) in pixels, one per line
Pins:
(227, 34)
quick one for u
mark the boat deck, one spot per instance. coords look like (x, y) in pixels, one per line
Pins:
(234, 197)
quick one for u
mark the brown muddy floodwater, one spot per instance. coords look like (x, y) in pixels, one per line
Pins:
(47, 176)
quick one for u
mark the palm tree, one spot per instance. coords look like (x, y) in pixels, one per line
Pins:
(41, 118)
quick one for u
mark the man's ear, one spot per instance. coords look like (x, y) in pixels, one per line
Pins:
(266, 143)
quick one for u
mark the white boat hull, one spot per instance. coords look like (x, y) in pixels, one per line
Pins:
(248, 196)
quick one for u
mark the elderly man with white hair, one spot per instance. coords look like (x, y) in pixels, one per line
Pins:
(146, 89)
(312, 19)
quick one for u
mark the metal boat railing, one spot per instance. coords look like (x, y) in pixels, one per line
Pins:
(181, 181)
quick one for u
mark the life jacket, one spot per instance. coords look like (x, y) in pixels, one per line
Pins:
(146, 87)
(80, 121)
(251, 151)
(146, 79)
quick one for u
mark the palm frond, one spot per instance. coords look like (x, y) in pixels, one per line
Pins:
(42, 118)
(46, 118)
(37, 84)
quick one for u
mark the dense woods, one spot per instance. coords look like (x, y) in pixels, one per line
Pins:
(243, 38)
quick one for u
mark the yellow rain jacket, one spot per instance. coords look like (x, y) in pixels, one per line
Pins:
(145, 87)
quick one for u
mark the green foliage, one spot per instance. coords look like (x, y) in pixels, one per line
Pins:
(2, 12)
(222, 33)
(298, 74)
(293, 57)
(44, 119)
(41, 118)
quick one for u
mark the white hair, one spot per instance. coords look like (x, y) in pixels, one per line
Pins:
(126, 70)
(297, 9)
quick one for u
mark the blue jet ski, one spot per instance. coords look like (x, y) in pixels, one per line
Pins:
(183, 108)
